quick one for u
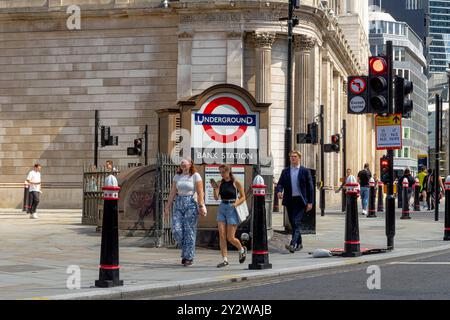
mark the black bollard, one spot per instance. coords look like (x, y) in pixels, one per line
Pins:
(447, 209)
(260, 249)
(405, 206)
(380, 197)
(416, 195)
(352, 243)
(372, 194)
(109, 255)
(26, 195)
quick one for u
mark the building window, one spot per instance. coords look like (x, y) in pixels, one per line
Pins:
(406, 133)
(405, 152)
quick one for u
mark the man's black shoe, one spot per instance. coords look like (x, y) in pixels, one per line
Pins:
(299, 247)
(290, 248)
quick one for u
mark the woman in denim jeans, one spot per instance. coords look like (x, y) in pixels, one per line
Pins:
(227, 217)
(186, 184)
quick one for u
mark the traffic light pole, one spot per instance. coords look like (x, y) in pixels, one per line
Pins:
(437, 158)
(97, 123)
(146, 145)
(344, 155)
(390, 200)
(288, 132)
(322, 163)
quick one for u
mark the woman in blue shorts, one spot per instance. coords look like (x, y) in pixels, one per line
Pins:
(227, 218)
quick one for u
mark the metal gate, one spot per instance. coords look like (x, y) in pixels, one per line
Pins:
(93, 182)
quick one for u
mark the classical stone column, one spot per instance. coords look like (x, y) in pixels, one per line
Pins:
(263, 49)
(303, 107)
(235, 58)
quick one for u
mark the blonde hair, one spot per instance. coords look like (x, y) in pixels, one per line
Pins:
(295, 152)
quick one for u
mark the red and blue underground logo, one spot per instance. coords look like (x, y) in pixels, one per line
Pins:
(241, 120)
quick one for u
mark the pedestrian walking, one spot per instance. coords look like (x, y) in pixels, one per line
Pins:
(187, 192)
(363, 179)
(411, 181)
(231, 193)
(34, 181)
(427, 188)
(421, 176)
(432, 189)
(342, 186)
(296, 188)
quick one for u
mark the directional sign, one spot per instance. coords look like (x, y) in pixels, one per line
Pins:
(357, 85)
(388, 132)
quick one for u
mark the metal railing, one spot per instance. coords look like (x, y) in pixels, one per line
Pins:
(93, 182)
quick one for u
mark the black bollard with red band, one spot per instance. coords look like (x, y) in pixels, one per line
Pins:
(447, 209)
(372, 195)
(109, 256)
(352, 243)
(417, 195)
(26, 195)
(260, 249)
(380, 207)
(405, 202)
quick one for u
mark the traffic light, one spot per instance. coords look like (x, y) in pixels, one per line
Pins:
(384, 169)
(313, 131)
(105, 136)
(138, 146)
(378, 85)
(336, 142)
(403, 104)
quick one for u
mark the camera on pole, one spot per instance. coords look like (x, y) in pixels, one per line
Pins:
(378, 85)
(403, 104)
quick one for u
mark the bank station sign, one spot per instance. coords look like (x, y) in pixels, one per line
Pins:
(225, 130)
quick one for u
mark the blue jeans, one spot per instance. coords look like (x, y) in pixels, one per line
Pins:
(184, 225)
(228, 214)
(364, 197)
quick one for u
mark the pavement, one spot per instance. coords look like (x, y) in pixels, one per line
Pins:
(35, 255)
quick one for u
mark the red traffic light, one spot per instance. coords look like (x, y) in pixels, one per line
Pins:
(334, 139)
(377, 65)
(384, 163)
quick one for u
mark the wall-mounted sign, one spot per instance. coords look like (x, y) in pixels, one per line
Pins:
(225, 130)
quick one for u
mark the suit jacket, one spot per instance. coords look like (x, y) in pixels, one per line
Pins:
(305, 184)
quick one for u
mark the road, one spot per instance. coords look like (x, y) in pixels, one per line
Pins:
(419, 277)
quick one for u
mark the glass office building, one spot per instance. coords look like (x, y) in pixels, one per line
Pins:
(439, 32)
(410, 63)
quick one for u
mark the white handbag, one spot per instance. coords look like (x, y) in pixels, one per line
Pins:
(242, 209)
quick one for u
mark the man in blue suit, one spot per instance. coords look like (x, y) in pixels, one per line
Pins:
(296, 189)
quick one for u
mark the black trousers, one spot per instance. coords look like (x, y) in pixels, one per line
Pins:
(33, 201)
(295, 210)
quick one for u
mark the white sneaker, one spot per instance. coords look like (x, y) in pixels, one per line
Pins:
(34, 216)
(364, 212)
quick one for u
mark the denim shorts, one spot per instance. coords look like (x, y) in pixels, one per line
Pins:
(227, 213)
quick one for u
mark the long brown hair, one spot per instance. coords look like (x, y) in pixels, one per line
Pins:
(192, 169)
(227, 168)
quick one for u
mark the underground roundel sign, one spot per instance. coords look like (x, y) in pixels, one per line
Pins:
(225, 128)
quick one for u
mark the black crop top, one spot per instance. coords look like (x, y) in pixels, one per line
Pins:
(227, 190)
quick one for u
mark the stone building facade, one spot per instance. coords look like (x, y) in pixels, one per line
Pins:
(133, 57)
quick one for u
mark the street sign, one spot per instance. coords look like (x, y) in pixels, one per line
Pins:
(388, 130)
(357, 85)
(357, 95)
(357, 104)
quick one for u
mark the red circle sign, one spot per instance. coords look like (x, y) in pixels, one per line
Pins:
(223, 138)
(357, 85)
